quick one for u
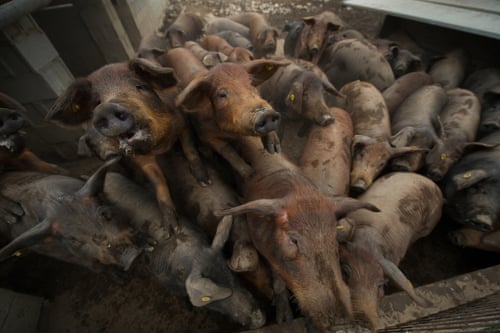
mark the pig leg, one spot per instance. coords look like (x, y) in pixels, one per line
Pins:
(10, 211)
(152, 170)
(195, 164)
(29, 161)
(231, 155)
(271, 142)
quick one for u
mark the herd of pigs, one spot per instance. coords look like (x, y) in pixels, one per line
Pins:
(195, 185)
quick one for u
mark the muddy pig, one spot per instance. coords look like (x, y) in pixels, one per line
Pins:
(415, 123)
(449, 71)
(472, 189)
(371, 145)
(262, 34)
(410, 207)
(131, 103)
(355, 59)
(292, 224)
(314, 34)
(485, 83)
(186, 263)
(403, 87)
(326, 157)
(68, 219)
(459, 120)
(297, 93)
(224, 104)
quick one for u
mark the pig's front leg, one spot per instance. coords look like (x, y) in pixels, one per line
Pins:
(197, 168)
(231, 155)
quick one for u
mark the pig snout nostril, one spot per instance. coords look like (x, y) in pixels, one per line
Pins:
(266, 121)
(112, 119)
(314, 50)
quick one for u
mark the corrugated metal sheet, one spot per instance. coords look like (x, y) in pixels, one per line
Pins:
(477, 17)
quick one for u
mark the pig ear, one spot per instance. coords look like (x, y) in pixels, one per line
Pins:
(74, 107)
(467, 179)
(95, 184)
(190, 96)
(396, 276)
(329, 87)
(345, 205)
(203, 291)
(160, 77)
(262, 69)
(260, 207)
(222, 233)
(309, 20)
(403, 137)
(30, 237)
(470, 147)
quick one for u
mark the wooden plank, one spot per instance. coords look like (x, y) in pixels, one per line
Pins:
(478, 22)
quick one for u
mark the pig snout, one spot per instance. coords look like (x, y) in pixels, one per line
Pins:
(257, 319)
(266, 120)
(10, 122)
(359, 186)
(112, 119)
(325, 119)
(314, 49)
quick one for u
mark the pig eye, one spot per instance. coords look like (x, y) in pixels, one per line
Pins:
(292, 248)
(222, 93)
(346, 271)
(142, 87)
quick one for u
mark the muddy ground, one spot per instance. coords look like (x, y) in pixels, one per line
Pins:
(79, 300)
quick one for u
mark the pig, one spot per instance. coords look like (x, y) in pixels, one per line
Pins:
(219, 44)
(354, 59)
(388, 48)
(372, 145)
(317, 29)
(299, 94)
(326, 157)
(410, 207)
(224, 104)
(70, 220)
(471, 187)
(403, 87)
(473, 238)
(342, 34)
(235, 39)
(152, 46)
(198, 203)
(449, 71)
(485, 83)
(262, 34)
(186, 263)
(405, 62)
(292, 225)
(208, 58)
(187, 26)
(216, 24)
(459, 121)
(293, 30)
(415, 123)
(131, 103)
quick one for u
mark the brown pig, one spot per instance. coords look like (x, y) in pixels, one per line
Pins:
(326, 158)
(403, 87)
(459, 122)
(219, 44)
(478, 239)
(208, 58)
(415, 123)
(356, 59)
(410, 206)
(292, 224)
(371, 145)
(224, 103)
(262, 34)
(314, 35)
(130, 103)
(216, 24)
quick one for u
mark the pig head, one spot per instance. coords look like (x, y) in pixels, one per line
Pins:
(70, 220)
